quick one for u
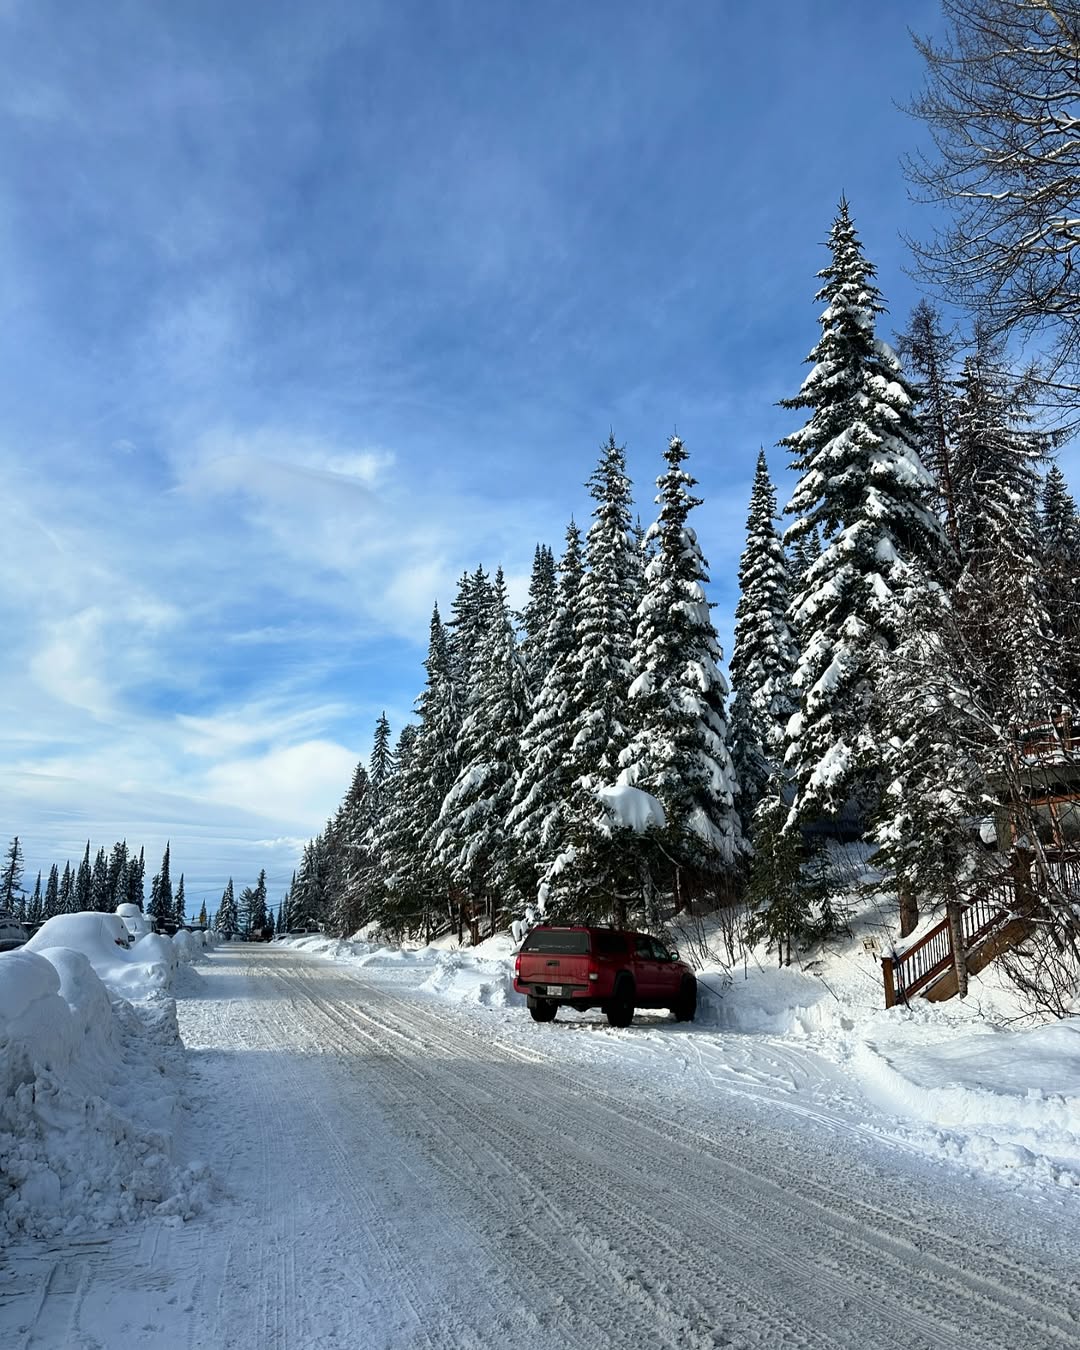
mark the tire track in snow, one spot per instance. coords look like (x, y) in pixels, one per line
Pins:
(947, 1271)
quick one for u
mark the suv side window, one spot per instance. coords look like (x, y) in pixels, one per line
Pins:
(608, 944)
(653, 950)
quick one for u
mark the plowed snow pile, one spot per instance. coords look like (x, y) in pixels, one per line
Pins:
(91, 1072)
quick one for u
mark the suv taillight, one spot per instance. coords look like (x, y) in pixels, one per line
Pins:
(517, 964)
(594, 968)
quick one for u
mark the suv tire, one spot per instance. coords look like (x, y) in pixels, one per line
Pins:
(685, 1007)
(620, 1011)
(542, 1009)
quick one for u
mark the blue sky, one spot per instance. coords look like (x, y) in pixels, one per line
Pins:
(306, 309)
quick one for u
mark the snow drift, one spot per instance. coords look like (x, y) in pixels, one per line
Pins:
(91, 1075)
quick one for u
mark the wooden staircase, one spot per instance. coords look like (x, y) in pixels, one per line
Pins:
(995, 921)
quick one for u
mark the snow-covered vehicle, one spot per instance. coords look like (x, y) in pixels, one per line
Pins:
(12, 933)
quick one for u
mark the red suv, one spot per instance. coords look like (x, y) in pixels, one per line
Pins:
(602, 968)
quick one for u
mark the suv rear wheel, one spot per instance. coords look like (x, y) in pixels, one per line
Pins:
(620, 1011)
(542, 1009)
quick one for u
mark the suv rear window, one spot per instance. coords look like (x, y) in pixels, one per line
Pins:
(567, 941)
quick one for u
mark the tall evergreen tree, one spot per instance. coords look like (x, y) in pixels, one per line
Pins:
(864, 487)
(999, 594)
(416, 884)
(352, 829)
(227, 921)
(381, 757)
(468, 622)
(180, 912)
(136, 875)
(83, 883)
(471, 845)
(537, 818)
(51, 903)
(161, 892)
(606, 604)
(66, 903)
(679, 752)
(537, 614)
(35, 905)
(935, 762)
(590, 876)
(930, 353)
(1059, 538)
(765, 654)
(100, 897)
(11, 892)
(116, 880)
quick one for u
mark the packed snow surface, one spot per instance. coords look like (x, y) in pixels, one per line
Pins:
(407, 1160)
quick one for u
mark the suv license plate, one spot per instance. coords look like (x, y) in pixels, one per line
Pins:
(555, 989)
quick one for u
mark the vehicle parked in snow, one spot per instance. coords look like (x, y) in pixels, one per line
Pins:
(604, 968)
(12, 933)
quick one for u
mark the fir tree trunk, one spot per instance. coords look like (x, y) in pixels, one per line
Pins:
(956, 932)
(909, 910)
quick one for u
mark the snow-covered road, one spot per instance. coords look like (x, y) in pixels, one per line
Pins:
(401, 1172)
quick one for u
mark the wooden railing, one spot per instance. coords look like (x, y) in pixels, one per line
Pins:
(911, 970)
(1055, 739)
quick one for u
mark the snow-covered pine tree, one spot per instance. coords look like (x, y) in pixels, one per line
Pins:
(179, 908)
(536, 616)
(381, 763)
(161, 892)
(536, 821)
(468, 622)
(51, 903)
(680, 752)
(607, 602)
(11, 878)
(352, 826)
(227, 920)
(590, 877)
(930, 353)
(116, 884)
(35, 904)
(311, 893)
(765, 653)
(416, 887)
(257, 918)
(82, 892)
(935, 761)
(66, 892)
(778, 895)
(473, 817)
(136, 874)
(999, 594)
(865, 488)
(804, 553)
(1059, 537)
(99, 883)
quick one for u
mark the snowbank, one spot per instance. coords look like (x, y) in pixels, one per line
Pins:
(483, 976)
(90, 1083)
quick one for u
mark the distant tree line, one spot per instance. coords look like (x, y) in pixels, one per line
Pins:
(111, 879)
